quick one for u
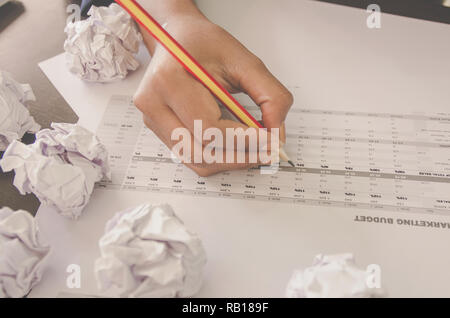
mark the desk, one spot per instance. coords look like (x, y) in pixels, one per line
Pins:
(331, 61)
(27, 38)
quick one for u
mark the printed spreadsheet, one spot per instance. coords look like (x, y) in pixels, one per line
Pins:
(397, 162)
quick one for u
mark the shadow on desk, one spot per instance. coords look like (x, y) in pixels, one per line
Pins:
(10, 12)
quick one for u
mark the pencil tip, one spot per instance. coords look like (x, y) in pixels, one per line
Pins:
(291, 163)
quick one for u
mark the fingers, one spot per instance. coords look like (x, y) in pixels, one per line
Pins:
(163, 122)
(283, 134)
(267, 92)
(191, 102)
(171, 99)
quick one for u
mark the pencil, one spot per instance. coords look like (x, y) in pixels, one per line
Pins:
(192, 66)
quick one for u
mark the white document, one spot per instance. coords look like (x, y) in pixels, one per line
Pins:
(89, 100)
(338, 71)
(359, 160)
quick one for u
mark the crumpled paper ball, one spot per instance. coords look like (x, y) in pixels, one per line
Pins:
(60, 168)
(23, 253)
(102, 47)
(334, 276)
(15, 119)
(148, 252)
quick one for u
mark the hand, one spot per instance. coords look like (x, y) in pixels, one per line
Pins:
(169, 97)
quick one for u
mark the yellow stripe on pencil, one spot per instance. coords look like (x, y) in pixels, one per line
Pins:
(192, 66)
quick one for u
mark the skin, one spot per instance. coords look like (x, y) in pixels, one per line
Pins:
(169, 97)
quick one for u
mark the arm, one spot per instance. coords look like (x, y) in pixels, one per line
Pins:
(167, 10)
(169, 97)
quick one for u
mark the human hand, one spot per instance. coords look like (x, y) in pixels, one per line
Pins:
(170, 98)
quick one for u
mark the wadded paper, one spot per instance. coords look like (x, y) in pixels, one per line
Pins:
(334, 276)
(15, 119)
(148, 252)
(23, 254)
(60, 168)
(102, 48)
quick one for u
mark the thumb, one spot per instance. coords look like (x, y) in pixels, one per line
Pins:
(268, 93)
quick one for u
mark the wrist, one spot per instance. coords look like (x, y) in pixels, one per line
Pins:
(167, 12)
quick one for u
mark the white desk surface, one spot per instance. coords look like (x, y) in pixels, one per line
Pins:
(330, 59)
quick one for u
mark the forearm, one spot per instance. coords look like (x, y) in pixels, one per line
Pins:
(163, 11)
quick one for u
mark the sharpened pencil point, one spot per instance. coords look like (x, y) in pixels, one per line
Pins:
(291, 163)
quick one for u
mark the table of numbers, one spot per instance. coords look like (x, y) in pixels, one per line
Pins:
(397, 162)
